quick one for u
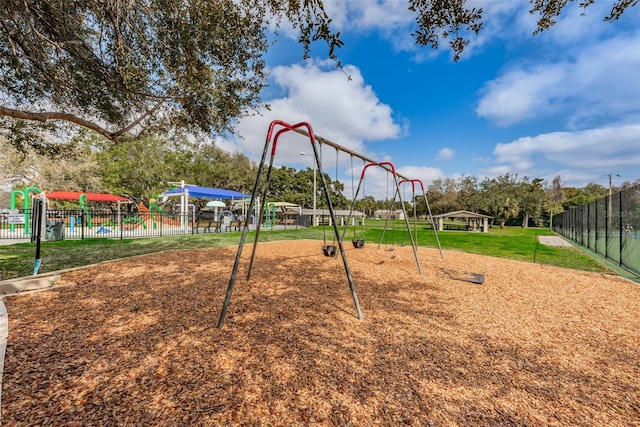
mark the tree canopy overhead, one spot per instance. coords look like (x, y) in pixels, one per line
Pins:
(128, 68)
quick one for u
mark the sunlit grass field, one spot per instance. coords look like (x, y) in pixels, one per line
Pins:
(512, 242)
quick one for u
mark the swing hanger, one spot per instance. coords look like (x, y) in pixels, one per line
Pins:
(358, 243)
(329, 250)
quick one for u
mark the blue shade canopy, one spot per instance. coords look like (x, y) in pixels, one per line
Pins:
(206, 193)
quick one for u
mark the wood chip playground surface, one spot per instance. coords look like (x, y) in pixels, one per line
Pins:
(136, 342)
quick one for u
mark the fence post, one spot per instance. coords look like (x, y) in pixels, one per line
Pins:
(620, 225)
(595, 249)
(588, 224)
(607, 218)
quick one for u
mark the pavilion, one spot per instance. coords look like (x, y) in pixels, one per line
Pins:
(473, 220)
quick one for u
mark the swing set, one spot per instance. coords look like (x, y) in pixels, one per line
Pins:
(263, 188)
(329, 250)
(415, 214)
(276, 129)
(389, 168)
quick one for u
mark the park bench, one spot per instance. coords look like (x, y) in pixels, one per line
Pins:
(206, 220)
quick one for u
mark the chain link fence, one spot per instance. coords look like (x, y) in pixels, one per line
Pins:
(609, 226)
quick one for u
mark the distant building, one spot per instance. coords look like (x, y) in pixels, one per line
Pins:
(384, 213)
(470, 221)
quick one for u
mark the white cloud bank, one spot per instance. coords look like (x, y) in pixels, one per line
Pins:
(344, 111)
(577, 156)
(595, 83)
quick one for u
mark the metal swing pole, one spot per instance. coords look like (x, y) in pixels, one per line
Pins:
(263, 206)
(406, 221)
(424, 194)
(328, 250)
(413, 197)
(335, 229)
(404, 212)
(386, 221)
(353, 202)
(433, 224)
(286, 127)
(236, 264)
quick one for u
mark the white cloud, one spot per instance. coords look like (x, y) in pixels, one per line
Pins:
(504, 20)
(521, 94)
(346, 112)
(582, 155)
(390, 18)
(595, 83)
(425, 174)
(379, 184)
(392, 21)
(445, 153)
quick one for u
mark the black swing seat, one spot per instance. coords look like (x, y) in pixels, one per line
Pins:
(329, 250)
(358, 243)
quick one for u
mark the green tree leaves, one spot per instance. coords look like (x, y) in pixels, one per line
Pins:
(129, 69)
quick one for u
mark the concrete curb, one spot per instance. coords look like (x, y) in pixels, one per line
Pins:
(29, 283)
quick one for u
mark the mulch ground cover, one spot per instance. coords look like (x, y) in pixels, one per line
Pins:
(136, 342)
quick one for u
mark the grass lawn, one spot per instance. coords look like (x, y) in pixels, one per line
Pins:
(513, 243)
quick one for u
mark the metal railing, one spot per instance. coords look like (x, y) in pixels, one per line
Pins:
(609, 226)
(79, 224)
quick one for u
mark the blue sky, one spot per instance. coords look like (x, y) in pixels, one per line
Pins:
(566, 101)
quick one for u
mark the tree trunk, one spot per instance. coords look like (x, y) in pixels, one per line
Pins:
(525, 221)
(502, 221)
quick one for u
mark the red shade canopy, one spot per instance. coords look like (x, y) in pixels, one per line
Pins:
(91, 197)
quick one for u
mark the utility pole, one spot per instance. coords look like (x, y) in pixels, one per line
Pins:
(611, 175)
(313, 217)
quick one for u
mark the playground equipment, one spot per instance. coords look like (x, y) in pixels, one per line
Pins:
(328, 250)
(269, 215)
(224, 219)
(136, 221)
(389, 168)
(415, 216)
(151, 216)
(358, 240)
(157, 215)
(284, 127)
(83, 198)
(83, 205)
(390, 213)
(26, 194)
(185, 191)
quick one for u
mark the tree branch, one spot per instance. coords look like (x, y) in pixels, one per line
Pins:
(52, 115)
(136, 122)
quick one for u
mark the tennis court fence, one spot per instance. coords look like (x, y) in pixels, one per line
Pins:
(609, 227)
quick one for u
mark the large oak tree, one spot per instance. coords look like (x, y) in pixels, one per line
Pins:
(128, 68)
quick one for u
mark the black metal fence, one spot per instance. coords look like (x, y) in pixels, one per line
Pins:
(80, 224)
(609, 226)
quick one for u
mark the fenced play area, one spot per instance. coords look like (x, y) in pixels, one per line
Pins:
(321, 332)
(609, 227)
